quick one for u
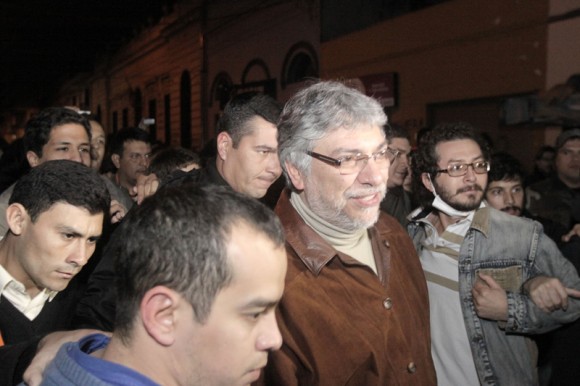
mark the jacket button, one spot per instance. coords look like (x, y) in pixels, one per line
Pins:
(388, 303)
(411, 368)
(387, 244)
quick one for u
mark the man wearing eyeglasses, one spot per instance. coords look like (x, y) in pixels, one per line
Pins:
(355, 308)
(491, 276)
(397, 202)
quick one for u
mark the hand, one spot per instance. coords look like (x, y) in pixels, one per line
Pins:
(549, 294)
(117, 211)
(490, 299)
(47, 349)
(145, 187)
(575, 231)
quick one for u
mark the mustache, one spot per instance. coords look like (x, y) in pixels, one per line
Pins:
(511, 207)
(469, 188)
(364, 192)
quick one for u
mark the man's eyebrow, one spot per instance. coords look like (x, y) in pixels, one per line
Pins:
(75, 233)
(265, 147)
(69, 230)
(355, 151)
(463, 160)
(261, 303)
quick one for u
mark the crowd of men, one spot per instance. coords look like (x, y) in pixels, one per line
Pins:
(195, 281)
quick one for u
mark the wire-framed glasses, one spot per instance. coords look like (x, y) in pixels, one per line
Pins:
(351, 164)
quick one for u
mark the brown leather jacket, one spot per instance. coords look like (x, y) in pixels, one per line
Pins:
(344, 325)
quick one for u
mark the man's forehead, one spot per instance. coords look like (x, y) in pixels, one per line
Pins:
(572, 143)
(517, 180)
(459, 149)
(400, 143)
(63, 132)
(134, 143)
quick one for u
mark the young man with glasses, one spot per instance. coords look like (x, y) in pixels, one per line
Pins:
(355, 309)
(491, 276)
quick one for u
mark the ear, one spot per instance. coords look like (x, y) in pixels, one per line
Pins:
(116, 160)
(295, 176)
(427, 182)
(16, 218)
(33, 158)
(158, 311)
(224, 144)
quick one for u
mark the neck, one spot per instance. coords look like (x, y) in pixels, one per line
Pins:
(141, 358)
(122, 182)
(9, 260)
(572, 184)
(444, 220)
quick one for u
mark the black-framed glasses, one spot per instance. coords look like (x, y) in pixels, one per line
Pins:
(351, 164)
(458, 170)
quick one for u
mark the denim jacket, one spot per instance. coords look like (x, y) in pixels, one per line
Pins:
(512, 250)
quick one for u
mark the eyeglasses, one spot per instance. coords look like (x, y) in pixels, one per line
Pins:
(458, 170)
(351, 164)
(138, 157)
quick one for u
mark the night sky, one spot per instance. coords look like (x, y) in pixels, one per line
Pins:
(42, 42)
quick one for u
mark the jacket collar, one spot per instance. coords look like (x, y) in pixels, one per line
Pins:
(312, 249)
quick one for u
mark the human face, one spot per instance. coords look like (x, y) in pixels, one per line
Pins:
(98, 141)
(462, 193)
(546, 163)
(69, 141)
(350, 202)
(232, 346)
(253, 166)
(568, 163)
(506, 195)
(399, 169)
(133, 162)
(54, 248)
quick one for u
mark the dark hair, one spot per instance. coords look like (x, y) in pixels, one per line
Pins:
(61, 181)
(242, 108)
(127, 135)
(394, 130)
(425, 160)
(170, 159)
(178, 238)
(38, 128)
(543, 150)
(505, 167)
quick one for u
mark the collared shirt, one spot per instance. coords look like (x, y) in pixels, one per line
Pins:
(15, 293)
(450, 344)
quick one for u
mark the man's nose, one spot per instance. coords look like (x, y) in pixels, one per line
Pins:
(270, 338)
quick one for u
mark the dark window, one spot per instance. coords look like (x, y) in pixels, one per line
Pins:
(115, 122)
(185, 108)
(138, 106)
(167, 108)
(153, 114)
(125, 118)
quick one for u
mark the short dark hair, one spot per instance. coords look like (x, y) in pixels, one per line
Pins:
(165, 161)
(127, 135)
(394, 130)
(543, 150)
(61, 181)
(505, 167)
(242, 108)
(38, 128)
(425, 160)
(178, 238)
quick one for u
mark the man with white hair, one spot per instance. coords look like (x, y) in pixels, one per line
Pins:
(355, 309)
